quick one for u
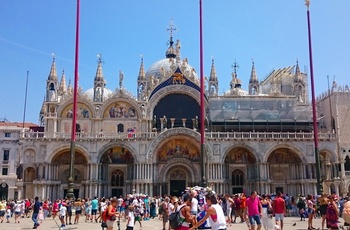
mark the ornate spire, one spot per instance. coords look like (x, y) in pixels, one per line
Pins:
(53, 74)
(142, 74)
(99, 74)
(253, 77)
(213, 76)
(63, 87)
(69, 88)
(297, 76)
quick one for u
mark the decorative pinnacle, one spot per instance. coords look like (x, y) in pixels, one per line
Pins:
(53, 57)
(235, 66)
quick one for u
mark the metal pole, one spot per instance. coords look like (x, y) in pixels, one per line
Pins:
(25, 101)
(70, 191)
(314, 118)
(203, 174)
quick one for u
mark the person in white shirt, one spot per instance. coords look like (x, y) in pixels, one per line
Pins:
(130, 218)
(194, 202)
(18, 211)
(63, 211)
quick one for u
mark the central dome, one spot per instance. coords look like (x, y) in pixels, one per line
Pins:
(161, 67)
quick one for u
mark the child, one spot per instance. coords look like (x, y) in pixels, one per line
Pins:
(131, 218)
(8, 214)
(63, 211)
(41, 215)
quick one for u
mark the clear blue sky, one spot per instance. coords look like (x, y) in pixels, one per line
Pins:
(272, 32)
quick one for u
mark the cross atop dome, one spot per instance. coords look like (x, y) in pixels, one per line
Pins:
(171, 28)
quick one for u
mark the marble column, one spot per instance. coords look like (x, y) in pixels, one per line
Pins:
(184, 122)
(172, 120)
(161, 124)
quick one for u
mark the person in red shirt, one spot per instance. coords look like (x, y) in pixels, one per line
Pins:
(279, 209)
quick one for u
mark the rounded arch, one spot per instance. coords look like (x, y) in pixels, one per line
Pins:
(84, 109)
(283, 156)
(240, 155)
(163, 137)
(329, 155)
(173, 89)
(241, 147)
(117, 148)
(178, 163)
(122, 106)
(66, 147)
(63, 157)
(294, 149)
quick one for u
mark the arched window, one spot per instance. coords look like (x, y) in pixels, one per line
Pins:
(120, 128)
(117, 178)
(237, 178)
(347, 163)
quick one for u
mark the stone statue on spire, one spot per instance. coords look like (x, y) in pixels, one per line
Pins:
(121, 78)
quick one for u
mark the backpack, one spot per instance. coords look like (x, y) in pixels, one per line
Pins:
(104, 215)
(175, 219)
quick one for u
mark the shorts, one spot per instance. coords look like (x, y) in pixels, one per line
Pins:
(2, 213)
(279, 216)
(17, 213)
(110, 223)
(93, 211)
(323, 209)
(137, 218)
(78, 212)
(310, 211)
(255, 219)
(69, 213)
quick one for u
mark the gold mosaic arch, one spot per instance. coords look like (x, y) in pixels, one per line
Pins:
(83, 111)
(283, 156)
(240, 155)
(179, 147)
(117, 155)
(121, 110)
(63, 157)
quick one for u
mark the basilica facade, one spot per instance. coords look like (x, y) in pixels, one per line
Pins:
(256, 139)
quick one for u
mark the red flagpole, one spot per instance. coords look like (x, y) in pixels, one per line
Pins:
(202, 105)
(70, 191)
(314, 115)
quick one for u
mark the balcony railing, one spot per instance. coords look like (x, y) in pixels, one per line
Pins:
(208, 136)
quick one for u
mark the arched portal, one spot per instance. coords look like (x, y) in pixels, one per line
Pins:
(240, 165)
(117, 170)
(178, 178)
(61, 162)
(285, 165)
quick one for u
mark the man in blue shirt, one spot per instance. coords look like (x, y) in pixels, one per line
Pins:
(36, 208)
(94, 207)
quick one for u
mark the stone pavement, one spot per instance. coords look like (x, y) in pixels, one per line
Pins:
(155, 224)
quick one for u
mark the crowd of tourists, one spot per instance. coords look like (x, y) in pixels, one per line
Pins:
(196, 208)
